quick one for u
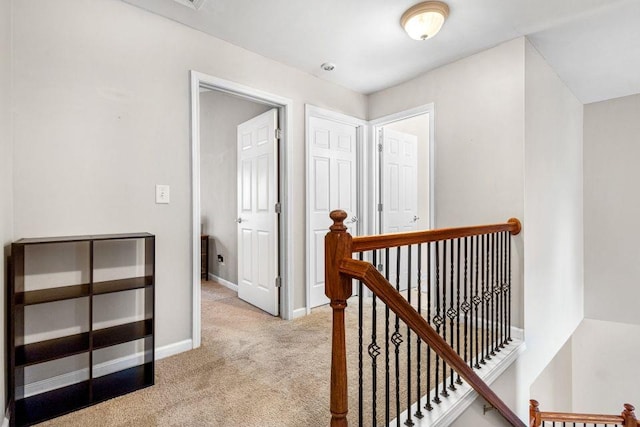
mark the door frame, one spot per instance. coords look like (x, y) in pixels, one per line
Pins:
(361, 147)
(374, 177)
(285, 188)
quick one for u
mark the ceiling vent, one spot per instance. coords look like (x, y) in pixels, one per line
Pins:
(193, 4)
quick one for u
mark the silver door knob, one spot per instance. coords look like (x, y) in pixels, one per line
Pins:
(415, 218)
(353, 220)
(239, 220)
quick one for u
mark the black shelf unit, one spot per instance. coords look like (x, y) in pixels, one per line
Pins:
(33, 409)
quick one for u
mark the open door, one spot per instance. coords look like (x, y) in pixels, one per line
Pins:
(257, 218)
(399, 169)
(332, 184)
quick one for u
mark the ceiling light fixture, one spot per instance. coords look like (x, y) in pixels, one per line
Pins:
(424, 20)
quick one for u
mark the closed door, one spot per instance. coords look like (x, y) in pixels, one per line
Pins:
(332, 165)
(399, 168)
(257, 219)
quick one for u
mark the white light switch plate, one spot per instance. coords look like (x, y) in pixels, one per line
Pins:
(162, 194)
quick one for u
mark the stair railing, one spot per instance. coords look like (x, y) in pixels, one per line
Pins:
(341, 269)
(538, 418)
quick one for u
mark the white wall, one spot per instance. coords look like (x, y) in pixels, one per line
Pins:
(419, 126)
(605, 366)
(6, 155)
(112, 106)
(553, 224)
(611, 177)
(553, 389)
(220, 114)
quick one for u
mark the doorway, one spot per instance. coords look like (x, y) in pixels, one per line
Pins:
(240, 162)
(404, 176)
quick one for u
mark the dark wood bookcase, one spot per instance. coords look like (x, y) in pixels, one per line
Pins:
(91, 296)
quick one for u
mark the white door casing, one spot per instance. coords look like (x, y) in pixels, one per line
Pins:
(332, 150)
(257, 219)
(399, 169)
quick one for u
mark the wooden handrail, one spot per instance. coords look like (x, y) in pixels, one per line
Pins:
(391, 240)
(340, 268)
(372, 278)
(626, 419)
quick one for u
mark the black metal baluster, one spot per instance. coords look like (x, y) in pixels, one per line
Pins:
(487, 299)
(444, 393)
(476, 299)
(437, 320)
(502, 318)
(418, 413)
(451, 312)
(396, 339)
(374, 351)
(465, 303)
(509, 290)
(360, 370)
(505, 239)
(409, 421)
(483, 316)
(458, 380)
(427, 405)
(387, 379)
(494, 295)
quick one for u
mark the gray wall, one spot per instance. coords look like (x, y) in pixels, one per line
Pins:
(6, 144)
(220, 114)
(553, 212)
(113, 111)
(611, 175)
(508, 142)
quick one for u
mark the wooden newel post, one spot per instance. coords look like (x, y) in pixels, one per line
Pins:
(629, 416)
(534, 413)
(337, 246)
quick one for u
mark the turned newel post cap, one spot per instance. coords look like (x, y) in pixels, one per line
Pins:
(628, 409)
(338, 217)
(534, 403)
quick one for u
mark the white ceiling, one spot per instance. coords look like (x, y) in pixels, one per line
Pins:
(594, 45)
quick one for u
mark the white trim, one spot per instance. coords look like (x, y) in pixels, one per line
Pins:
(223, 282)
(380, 122)
(173, 349)
(445, 413)
(285, 185)
(361, 138)
(300, 312)
(99, 370)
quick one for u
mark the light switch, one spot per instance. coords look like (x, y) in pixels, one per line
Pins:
(162, 194)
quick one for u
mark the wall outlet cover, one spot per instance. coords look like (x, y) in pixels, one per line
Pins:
(162, 194)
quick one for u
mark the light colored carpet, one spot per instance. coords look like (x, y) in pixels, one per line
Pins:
(252, 370)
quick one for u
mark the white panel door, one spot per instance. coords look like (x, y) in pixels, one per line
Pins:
(257, 219)
(332, 165)
(399, 159)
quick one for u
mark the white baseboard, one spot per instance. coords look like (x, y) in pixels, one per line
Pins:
(299, 312)
(224, 282)
(99, 370)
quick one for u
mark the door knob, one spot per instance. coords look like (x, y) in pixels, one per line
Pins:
(415, 218)
(353, 219)
(239, 220)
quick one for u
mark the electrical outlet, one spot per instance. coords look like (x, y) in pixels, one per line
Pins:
(220, 258)
(162, 194)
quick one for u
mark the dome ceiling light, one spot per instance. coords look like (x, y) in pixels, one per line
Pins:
(424, 20)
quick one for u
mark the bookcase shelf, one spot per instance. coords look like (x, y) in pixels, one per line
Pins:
(36, 408)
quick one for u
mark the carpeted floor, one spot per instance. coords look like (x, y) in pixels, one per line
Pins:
(252, 370)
